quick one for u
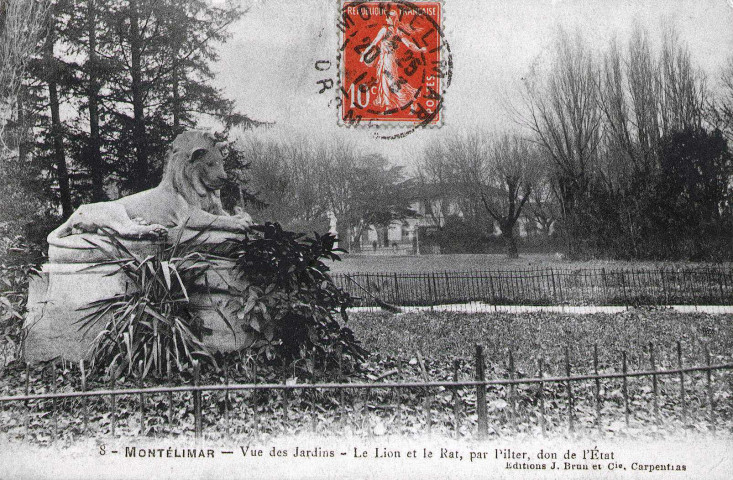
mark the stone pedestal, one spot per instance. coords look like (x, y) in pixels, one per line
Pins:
(56, 297)
(54, 300)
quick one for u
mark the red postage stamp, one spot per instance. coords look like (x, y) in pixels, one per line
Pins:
(391, 69)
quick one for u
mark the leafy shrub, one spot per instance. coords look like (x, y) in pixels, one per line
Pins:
(287, 308)
(461, 236)
(290, 304)
(150, 326)
(18, 261)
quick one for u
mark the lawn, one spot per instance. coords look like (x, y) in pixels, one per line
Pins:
(470, 262)
(440, 338)
(445, 336)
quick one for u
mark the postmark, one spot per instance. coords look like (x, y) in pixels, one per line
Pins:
(394, 65)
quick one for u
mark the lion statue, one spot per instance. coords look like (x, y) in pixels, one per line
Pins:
(188, 195)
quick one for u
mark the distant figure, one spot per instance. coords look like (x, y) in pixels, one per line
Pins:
(374, 245)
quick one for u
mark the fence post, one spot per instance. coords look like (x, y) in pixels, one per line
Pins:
(198, 424)
(428, 402)
(313, 394)
(397, 396)
(625, 387)
(286, 394)
(711, 399)
(170, 394)
(512, 399)
(665, 288)
(655, 387)
(571, 399)
(142, 401)
(559, 287)
(456, 399)
(85, 409)
(721, 279)
(429, 300)
(491, 287)
(541, 395)
(55, 409)
(554, 289)
(27, 421)
(342, 400)
(481, 409)
(683, 405)
(604, 281)
(227, 419)
(435, 289)
(255, 400)
(598, 389)
(112, 385)
(623, 288)
(397, 299)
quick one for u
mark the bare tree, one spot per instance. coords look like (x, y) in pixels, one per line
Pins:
(565, 116)
(721, 110)
(436, 182)
(511, 171)
(683, 87)
(542, 207)
(289, 177)
(21, 26)
(644, 96)
(341, 156)
(500, 172)
(642, 133)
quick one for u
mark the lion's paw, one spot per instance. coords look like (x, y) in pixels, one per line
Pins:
(243, 219)
(152, 232)
(244, 223)
(159, 230)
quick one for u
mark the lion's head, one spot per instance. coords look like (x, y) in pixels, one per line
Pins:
(195, 167)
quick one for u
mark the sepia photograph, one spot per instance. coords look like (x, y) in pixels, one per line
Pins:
(366, 239)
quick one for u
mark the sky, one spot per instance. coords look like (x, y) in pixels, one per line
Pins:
(268, 66)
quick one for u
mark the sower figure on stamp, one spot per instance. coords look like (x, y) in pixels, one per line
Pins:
(392, 90)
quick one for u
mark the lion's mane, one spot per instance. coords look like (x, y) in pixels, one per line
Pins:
(179, 170)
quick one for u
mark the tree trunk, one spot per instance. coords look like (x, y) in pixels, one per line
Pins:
(510, 241)
(342, 233)
(59, 156)
(177, 38)
(95, 143)
(140, 170)
(176, 101)
(22, 137)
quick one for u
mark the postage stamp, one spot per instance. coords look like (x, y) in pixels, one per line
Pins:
(391, 68)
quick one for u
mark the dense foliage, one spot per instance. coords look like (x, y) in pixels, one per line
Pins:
(149, 328)
(290, 305)
(306, 185)
(679, 209)
(286, 312)
(108, 86)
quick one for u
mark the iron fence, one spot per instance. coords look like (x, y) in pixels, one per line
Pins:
(462, 409)
(543, 287)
